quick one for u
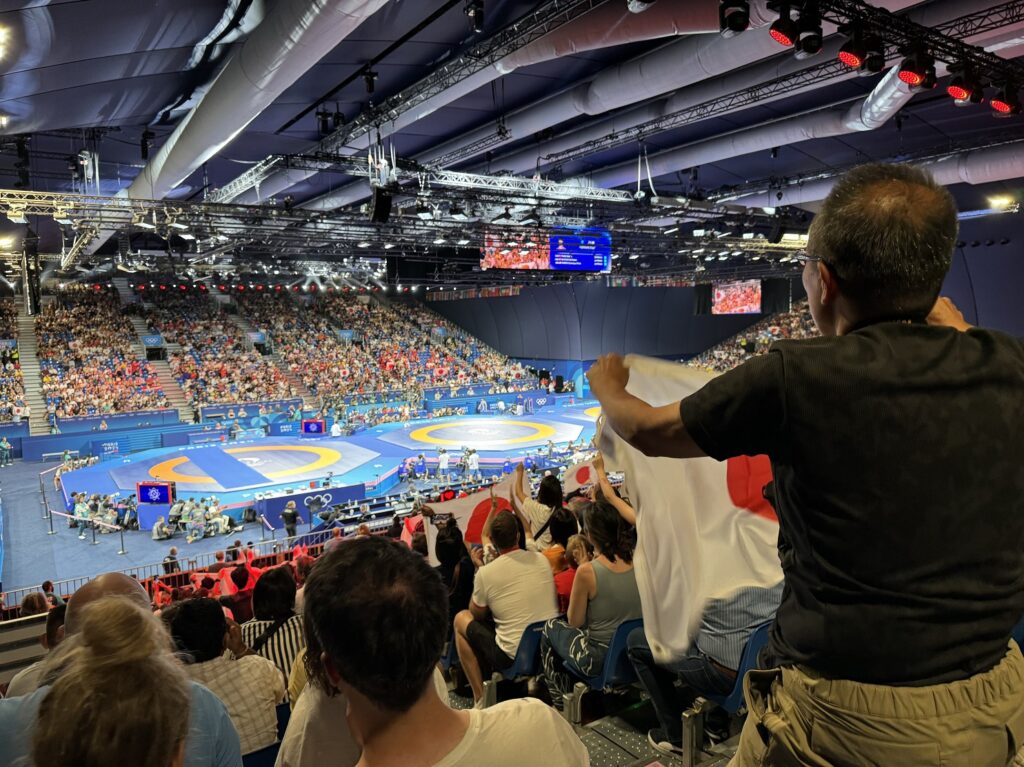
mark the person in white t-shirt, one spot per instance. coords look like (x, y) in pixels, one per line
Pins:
(336, 429)
(549, 498)
(377, 614)
(473, 465)
(513, 591)
(442, 464)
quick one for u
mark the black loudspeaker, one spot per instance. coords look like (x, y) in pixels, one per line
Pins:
(380, 206)
(559, 383)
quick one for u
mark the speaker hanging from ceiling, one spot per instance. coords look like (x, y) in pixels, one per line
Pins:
(380, 205)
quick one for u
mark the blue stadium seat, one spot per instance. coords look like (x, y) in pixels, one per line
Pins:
(617, 672)
(265, 757)
(526, 664)
(451, 655)
(1018, 633)
(757, 641)
(284, 713)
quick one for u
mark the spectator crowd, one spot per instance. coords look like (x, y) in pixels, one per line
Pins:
(757, 339)
(88, 358)
(12, 385)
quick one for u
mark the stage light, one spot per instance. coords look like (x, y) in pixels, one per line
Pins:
(363, 244)
(439, 241)
(1006, 102)
(1001, 202)
(423, 211)
(964, 87)
(639, 6)
(733, 17)
(915, 67)
(853, 53)
(809, 39)
(369, 77)
(784, 31)
(463, 241)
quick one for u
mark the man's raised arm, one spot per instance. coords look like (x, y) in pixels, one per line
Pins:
(654, 431)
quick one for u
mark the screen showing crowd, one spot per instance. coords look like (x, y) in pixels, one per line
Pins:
(584, 250)
(741, 297)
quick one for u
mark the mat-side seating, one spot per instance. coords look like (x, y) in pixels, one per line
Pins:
(526, 664)
(693, 718)
(617, 672)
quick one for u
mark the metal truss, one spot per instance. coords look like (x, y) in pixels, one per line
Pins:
(548, 17)
(500, 136)
(891, 27)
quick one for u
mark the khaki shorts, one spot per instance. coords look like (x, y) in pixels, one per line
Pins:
(796, 718)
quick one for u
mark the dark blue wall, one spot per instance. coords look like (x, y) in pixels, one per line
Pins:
(987, 281)
(584, 320)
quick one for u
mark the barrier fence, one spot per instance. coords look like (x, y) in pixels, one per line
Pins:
(93, 524)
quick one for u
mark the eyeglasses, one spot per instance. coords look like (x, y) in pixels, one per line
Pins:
(804, 257)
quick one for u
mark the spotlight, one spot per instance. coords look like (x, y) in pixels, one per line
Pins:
(784, 31)
(475, 11)
(423, 211)
(1006, 102)
(639, 6)
(964, 86)
(323, 122)
(853, 53)
(733, 17)
(863, 52)
(809, 39)
(915, 68)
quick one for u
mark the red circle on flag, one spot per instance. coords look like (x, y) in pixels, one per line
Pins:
(478, 518)
(583, 475)
(746, 477)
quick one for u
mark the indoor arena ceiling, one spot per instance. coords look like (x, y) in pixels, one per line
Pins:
(261, 124)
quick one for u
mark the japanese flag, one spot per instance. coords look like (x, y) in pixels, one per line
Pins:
(471, 512)
(704, 530)
(580, 475)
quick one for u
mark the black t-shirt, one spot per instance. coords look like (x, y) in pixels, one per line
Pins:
(289, 517)
(896, 452)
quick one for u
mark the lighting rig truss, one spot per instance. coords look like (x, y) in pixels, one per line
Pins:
(548, 17)
(896, 30)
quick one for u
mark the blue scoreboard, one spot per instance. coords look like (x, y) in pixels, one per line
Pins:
(155, 492)
(584, 250)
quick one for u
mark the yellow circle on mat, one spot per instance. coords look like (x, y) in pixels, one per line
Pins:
(541, 431)
(325, 457)
(593, 412)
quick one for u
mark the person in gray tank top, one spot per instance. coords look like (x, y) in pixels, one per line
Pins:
(604, 595)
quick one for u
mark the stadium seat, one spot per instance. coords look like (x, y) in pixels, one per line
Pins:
(693, 718)
(451, 655)
(757, 641)
(284, 713)
(617, 672)
(265, 757)
(1018, 633)
(526, 664)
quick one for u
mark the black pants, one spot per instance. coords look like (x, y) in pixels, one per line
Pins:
(289, 530)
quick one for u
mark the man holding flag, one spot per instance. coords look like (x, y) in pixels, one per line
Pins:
(897, 488)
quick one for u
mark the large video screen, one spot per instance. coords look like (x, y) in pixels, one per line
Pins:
(588, 250)
(741, 297)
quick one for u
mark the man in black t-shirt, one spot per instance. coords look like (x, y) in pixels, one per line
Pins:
(895, 448)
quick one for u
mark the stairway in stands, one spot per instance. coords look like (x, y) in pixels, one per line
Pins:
(28, 350)
(309, 400)
(162, 368)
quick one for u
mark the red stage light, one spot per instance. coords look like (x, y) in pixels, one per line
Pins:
(959, 92)
(910, 77)
(851, 59)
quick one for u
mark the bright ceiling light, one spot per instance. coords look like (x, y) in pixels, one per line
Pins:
(439, 241)
(16, 214)
(1000, 202)
(388, 245)
(364, 244)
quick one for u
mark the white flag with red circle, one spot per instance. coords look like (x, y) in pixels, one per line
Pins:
(704, 529)
(471, 512)
(579, 476)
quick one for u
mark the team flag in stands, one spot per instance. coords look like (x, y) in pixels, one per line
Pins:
(703, 528)
(578, 476)
(471, 512)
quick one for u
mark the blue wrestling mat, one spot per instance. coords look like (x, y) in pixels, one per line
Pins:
(236, 471)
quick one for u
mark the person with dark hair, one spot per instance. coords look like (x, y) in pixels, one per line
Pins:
(51, 595)
(455, 567)
(26, 680)
(275, 632)
(419, 544)
(604, 595)
(249, 686)
(538, 512)
(886, 615)
(378, 614)
(509, 594)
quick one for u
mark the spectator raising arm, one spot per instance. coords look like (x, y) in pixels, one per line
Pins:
(604, 489)
(654, 431)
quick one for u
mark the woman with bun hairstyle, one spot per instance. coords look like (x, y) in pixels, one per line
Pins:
(604, 595)
(119, 697)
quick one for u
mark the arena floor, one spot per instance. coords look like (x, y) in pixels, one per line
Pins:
(236, 472)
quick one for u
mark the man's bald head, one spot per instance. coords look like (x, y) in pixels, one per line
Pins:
(106, 585)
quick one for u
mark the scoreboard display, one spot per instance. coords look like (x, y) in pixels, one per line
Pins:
(161, 493)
